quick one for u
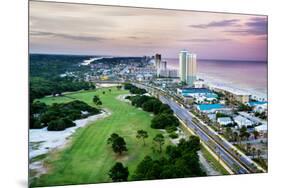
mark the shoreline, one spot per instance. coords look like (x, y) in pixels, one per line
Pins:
(217, 82)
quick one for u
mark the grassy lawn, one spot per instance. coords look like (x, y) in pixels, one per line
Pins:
(88, 158)
(215, 164)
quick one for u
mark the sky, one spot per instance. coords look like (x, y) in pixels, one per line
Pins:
(62, 28)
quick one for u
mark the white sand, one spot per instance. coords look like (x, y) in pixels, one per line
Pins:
(103, 85)
(215, 82)
(123, 97)
(41, 141)
(89, 61)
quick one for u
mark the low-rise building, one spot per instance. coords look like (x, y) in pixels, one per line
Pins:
(212, 117)
(210, 108)
(260, 108)
(262, 129)
(224, 121)
(233, 94)
(199, 84)
(242, 121)
(200, 95)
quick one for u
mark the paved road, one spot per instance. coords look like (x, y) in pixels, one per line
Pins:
(186, 117)
(240, 164)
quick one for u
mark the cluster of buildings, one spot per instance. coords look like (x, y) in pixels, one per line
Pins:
(206, 100)
(199, 95)
(161, 68)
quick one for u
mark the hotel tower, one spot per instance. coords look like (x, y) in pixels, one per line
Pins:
(188, 67)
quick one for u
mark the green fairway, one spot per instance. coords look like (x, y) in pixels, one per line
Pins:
(88, 158)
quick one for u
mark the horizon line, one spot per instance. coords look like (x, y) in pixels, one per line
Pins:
(43, 53)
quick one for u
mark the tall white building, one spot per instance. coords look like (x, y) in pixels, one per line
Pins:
(188, 67)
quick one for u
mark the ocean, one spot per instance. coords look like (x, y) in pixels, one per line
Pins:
(250, 76)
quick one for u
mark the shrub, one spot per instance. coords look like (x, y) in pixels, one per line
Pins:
(171, 129)
(161, 121)
(60, 124)
(128, 97)
(173, 135)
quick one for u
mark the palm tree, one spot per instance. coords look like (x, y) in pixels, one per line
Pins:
(248, 147)
(229, 133)
(142, 134)
(256, 134)
(235, 136)
(259, 153)
(253, 152)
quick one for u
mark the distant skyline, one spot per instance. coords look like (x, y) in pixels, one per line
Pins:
(63, 28)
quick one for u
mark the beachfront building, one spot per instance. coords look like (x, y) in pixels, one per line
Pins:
(233, 94)
(187, 67)
(242, 121)
(225, 121)
(258, 106)
(199, 84)
(200, 95)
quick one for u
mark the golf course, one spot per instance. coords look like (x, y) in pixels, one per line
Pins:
(87, 158)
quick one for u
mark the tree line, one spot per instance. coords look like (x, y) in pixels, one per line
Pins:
(163, 119)
(57, 117)
(133, 89)
(40, 87)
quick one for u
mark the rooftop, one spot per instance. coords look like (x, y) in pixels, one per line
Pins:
(262, 127)
(195, 90)
(205, 107)
(242, 120)
(223, 119)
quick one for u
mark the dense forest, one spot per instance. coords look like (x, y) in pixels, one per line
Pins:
(45, 71)
(48, 66)
(122, 60)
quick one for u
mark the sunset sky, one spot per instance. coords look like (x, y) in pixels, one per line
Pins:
(60, 28)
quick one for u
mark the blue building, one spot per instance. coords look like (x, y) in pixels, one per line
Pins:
(210, 108)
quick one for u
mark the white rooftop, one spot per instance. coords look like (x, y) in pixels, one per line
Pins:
(262, 127)
(221, 119)
(242, 121)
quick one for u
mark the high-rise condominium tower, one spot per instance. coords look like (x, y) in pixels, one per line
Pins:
(158, 63)
(188, 67)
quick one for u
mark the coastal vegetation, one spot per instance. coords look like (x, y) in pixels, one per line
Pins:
(57, 117)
